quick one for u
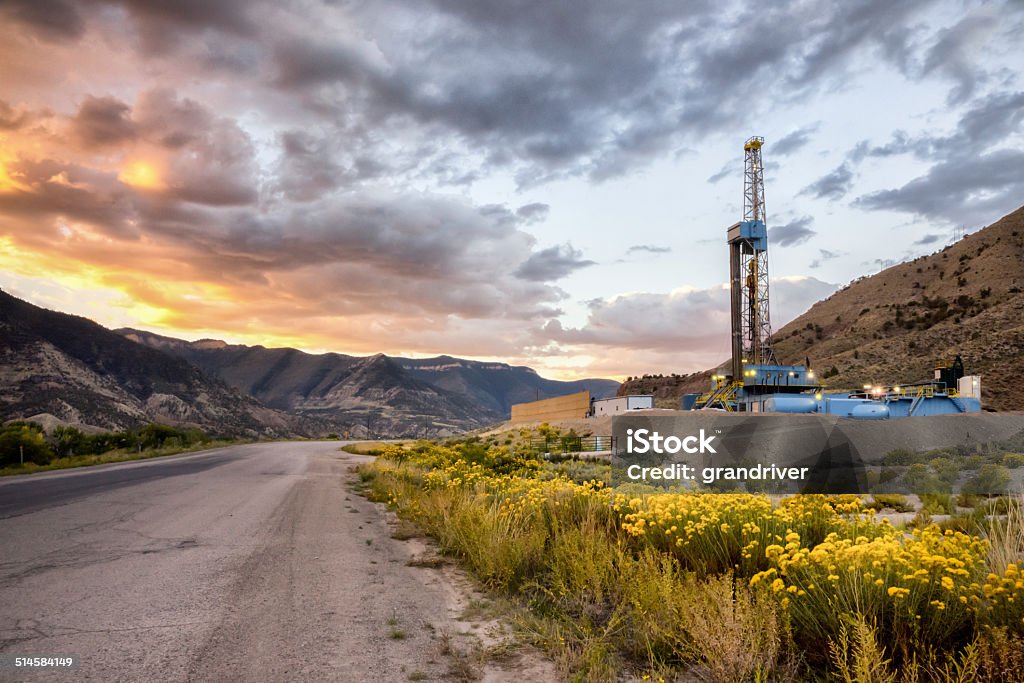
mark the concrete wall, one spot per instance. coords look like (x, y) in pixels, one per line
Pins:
(571, 407)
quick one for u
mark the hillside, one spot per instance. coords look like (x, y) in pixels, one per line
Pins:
(497, 386)
(375, 395)
(63, 367)
(897, 325)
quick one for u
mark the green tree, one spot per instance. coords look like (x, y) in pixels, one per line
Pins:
(23, 439)
(66, 441)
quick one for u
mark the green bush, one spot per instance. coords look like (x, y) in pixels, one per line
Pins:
(1013, 460)
(67, 441)
(973, 462)
(891, 501)
(899, 456)
(945, 469)
(919, 479)
(937, 504)
(23, 441)
(990, 480)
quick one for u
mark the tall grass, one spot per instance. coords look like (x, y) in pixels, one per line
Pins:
(1006, 535)
(717, 587)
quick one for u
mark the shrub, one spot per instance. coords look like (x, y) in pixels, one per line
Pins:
(937, 503)
(990, 480)
(891, 501)
(899, 456)
(1013, 460)
(919, 479)
(718, 587)
(23, 441)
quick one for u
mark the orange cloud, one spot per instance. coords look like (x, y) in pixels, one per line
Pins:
(141, 174)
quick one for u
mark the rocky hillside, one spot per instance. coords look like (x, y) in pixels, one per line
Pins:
(896, 326)
(375, 395)
(62, 368)
(364, 397)
(497, 386)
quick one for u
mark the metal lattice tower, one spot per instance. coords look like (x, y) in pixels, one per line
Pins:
(753, 180)
(749, 242)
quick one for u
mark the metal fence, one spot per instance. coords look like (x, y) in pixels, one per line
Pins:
(566, 445)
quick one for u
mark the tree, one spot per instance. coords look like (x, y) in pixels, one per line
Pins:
(66, 441)
(23, 439)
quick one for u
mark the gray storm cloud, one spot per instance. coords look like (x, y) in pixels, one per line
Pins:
(321, 157)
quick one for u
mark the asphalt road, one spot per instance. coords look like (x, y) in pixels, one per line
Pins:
(251, 563)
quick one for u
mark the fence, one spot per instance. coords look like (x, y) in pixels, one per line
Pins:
(566, 445)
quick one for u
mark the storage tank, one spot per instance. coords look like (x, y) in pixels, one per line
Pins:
(870, 411)
(790, 404)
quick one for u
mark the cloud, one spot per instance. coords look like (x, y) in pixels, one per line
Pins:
(930, 238)
(797, 231)
(959, 190)
(52, 20)
(533, 213)
(457, 89)
(726, 170)
(14, 119)
(649, 248)
(692, 323)
(953, 53)
(412, 267)
(308, 167)
(102, 121)
(552, 263)
(794, 141)
(833, 185)
(970, 179)
(824, 255)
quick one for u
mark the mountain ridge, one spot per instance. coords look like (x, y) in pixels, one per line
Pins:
(67, 368)
(436, 396)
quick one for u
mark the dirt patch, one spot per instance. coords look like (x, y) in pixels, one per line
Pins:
(475, 630)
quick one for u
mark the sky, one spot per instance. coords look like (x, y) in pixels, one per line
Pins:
(541, 183)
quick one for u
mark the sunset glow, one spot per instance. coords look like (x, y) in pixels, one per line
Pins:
(140, 174)
(417, 179)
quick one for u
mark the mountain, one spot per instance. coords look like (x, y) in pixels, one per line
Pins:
(895, 326)
(375, 395)
(498, 385)
(62, 367)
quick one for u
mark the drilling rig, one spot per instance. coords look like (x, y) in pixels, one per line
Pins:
(748, 269)
(753, 374)
(755, 382)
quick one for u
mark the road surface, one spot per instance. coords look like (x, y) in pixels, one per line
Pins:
(252, 563)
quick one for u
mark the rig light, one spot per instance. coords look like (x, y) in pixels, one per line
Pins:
(818, 396)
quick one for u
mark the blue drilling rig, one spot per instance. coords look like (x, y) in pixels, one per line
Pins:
(755, 382)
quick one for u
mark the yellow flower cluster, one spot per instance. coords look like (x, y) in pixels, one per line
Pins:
(744, 532)
(894, 577)
(822, 557)
(1001, 598)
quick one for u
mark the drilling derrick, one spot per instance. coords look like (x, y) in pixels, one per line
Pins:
(748, 265)
(755, 382)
